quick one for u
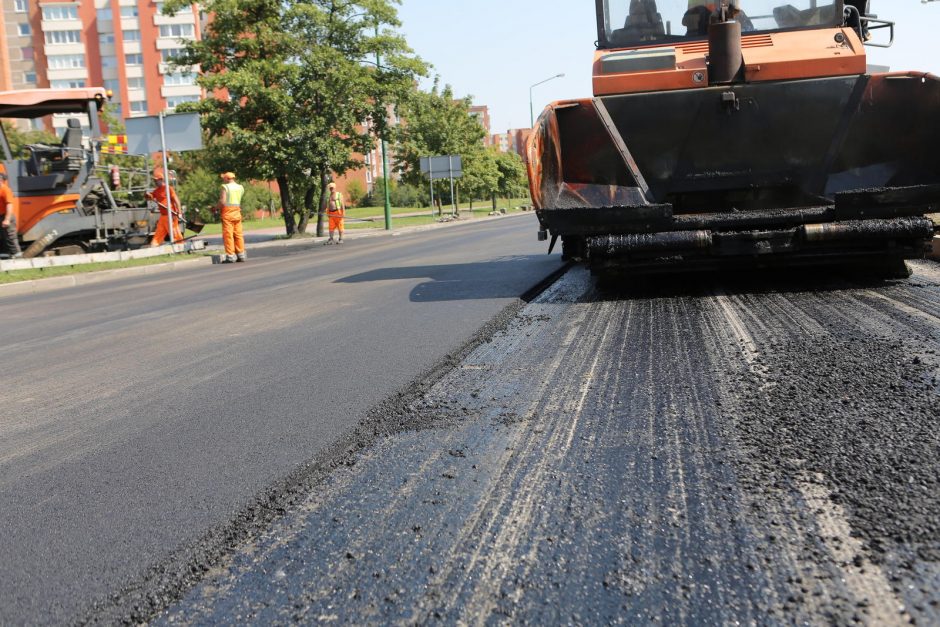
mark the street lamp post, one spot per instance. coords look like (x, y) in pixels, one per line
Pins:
(388, 200)
(531, 110)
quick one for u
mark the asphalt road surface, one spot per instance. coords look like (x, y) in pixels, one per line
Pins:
(149, 424)
(757, 451)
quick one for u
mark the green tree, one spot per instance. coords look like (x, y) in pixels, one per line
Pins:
(297, 90)
(355, 192)
(257, 197)
(199, 193)
(480, 175)
(20, 139)
(513, 178)
(438, 124)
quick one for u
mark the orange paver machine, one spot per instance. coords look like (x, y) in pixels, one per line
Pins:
(742, 132)
(65, 204)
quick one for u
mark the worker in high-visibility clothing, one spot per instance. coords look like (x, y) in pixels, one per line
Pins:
(335, 211)
(166, 199)
(230, 210)
(9, 240)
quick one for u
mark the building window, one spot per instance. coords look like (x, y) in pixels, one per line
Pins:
(65, 61)
(176, 30)
(174, 101)
(134, 59)
(129, 11)
(67, 84)
(25, 30)
(179, 79)
(131, 35)
(108, 62)
(104, 15)
(58, 37)
(20, 6)
(138, 106)
(58, 13)
(106, 39)
(136, 83)
(168, 55)
(27, 53)
(114, 86)
(29, 77)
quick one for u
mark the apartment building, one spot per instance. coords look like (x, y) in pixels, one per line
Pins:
(17, 51)
(122, 45)
(513, 140)
(482, 114)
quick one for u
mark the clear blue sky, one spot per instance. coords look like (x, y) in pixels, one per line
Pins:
(494, 49)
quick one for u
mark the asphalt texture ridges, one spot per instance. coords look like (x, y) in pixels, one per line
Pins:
(760, 451)
(154, 423)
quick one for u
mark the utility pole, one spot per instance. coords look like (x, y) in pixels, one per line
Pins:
(388, 201)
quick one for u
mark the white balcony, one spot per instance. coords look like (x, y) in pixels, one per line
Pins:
(67, 74)
(165, 69)
(132, 47)
(134, 71)
(130, 23)
(55, 49)
(180, 90)
(183, 17)
(167, 43)
(48, 26)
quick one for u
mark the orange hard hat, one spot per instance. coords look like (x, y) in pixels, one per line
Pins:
(158, 173)
(332, 185)
(228, 175)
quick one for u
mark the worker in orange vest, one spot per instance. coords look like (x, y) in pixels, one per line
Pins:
(336, 211)
(166, 199)
(230, 210)
(9, 242)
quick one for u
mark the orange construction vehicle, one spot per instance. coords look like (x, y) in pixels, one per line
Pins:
(742, 132)
(64, 202)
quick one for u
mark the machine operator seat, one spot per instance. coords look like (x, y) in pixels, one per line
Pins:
(72, 154)
(644, 21)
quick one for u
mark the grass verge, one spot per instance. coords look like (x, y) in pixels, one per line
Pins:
(401, 216)
(15, 276)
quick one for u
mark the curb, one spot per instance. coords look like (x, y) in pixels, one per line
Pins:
(98, 276)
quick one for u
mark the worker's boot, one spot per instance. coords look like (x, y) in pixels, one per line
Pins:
(227, 259)
(329, 241)
(339, 241)
(240, 257)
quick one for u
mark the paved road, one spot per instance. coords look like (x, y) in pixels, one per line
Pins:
(148, 422)
(753, 452)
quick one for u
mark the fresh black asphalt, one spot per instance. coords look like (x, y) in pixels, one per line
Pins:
(147, 422)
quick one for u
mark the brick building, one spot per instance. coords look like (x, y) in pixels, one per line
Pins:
(513, 140)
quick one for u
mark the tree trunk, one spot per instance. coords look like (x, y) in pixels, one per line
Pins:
(287, 206)
(324, 182)
(308, 208)
(494, 202)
